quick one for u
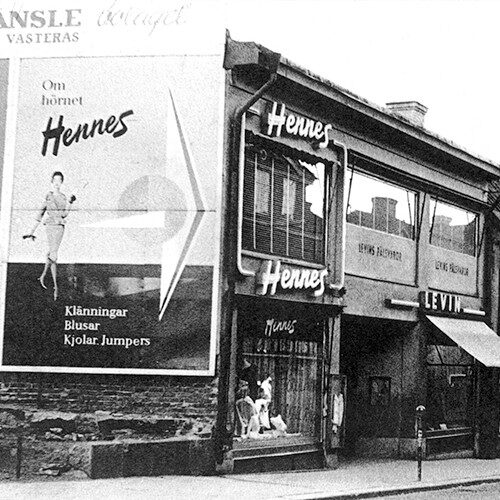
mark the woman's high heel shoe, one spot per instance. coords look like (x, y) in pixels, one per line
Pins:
(40, 279)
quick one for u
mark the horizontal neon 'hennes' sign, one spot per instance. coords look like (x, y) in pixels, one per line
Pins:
(277, 120)
(289, 279)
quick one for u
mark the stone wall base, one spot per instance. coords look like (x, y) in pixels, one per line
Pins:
(387, 447)
(151, 458)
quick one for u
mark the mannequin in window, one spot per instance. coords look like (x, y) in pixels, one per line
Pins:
(248, 372)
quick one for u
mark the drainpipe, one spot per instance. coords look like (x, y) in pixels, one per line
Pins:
(338, 286)
(238, 151)
(341, 281)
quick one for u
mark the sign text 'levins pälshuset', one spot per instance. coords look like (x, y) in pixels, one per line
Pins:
(270, 278)
(278, 121)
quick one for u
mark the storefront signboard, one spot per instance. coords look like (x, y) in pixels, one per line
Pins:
(441, 302)
(279, 121)
(273, 275)
(279, 320)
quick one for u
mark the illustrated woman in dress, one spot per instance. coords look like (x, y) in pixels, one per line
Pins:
(53, 215)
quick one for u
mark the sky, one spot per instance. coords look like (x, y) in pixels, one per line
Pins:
(441, 53)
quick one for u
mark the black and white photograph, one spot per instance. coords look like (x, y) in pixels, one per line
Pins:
(249, 249)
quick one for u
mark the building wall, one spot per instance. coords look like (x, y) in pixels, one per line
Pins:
(173, 139)
(166, 396)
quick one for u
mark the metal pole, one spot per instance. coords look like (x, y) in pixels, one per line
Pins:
(419, 414)
(419, 451)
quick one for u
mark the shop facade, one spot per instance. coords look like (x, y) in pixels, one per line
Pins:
(417, 296)
(284, 229)
(403, 317)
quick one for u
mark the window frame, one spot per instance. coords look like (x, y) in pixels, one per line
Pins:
(297, 157)
(415, 225)
(477, 220)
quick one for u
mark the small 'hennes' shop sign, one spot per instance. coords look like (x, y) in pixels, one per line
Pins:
(442, 302)
(278, 121)
(269, 279)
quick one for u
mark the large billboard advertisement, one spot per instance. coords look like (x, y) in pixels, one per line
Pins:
(110, 215)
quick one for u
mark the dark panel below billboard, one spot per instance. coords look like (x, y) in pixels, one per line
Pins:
(106, 316)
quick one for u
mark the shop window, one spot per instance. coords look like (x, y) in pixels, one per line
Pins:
(453, 228)
(378, 205)
(449, 387)
(279, 373)
(283, 206)
(288, 370)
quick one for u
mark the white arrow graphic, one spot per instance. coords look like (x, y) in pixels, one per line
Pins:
(179, 166)
(179, 170)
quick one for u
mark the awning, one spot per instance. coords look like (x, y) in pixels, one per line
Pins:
(475, 337)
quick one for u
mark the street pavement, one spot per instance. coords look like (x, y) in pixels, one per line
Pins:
(358, 479)
(487, 491)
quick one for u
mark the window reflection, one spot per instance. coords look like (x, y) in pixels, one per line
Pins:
(449, 383)
(452, 228)
(378, 205)
(262, 192)
(289, 192)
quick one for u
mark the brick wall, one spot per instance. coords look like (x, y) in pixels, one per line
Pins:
(178, 397)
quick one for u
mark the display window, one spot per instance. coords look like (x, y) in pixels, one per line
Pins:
(449, 387)
(279, 373)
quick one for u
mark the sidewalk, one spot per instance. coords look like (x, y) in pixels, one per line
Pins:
(359, 479)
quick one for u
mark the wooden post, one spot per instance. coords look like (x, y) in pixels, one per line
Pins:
(231, 396)
(19, 453)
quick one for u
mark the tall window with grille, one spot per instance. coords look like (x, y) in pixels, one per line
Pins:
(283, 206)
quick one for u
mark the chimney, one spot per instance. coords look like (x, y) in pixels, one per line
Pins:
(385, 205)
(411, 111)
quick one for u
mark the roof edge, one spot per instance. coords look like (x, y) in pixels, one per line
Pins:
(384, 115)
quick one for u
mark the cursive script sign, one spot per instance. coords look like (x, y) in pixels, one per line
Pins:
(278, 121)
(279, 326)
(113, 125)
(290, 279)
